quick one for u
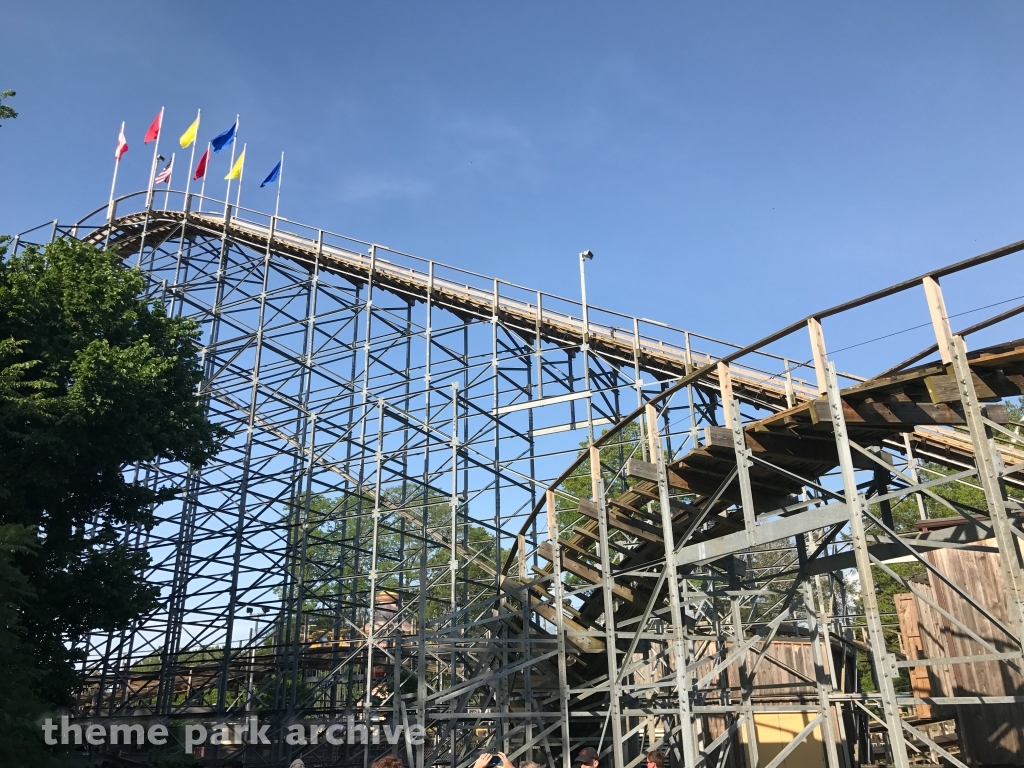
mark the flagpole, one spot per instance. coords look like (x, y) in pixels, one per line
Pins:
(206, 172)
(280, 173)
(227, 195)
(156, 150)
(117, 162)
(167, 192)
(241, 173)
(192, 159)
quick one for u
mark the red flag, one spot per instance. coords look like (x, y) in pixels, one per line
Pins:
(122, 145)
(201, 168)
(154, 129)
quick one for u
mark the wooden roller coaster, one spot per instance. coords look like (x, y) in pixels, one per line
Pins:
(711, 575)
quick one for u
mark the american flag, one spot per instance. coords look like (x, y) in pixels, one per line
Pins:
(164, 177)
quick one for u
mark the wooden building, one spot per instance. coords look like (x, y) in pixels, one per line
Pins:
(989, 734)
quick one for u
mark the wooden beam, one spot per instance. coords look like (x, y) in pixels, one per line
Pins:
(940, 320)
(817, 351)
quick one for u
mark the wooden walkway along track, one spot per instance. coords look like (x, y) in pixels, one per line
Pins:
(665, 361)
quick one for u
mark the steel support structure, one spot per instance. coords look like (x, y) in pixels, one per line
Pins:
(451, 501)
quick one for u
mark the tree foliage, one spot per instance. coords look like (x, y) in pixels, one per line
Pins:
(333, 561)
(92, 378)
(6, 110)
(614, 454)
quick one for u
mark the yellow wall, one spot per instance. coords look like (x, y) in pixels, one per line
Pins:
(776, 729)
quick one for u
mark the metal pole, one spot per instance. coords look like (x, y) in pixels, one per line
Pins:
(113, 183)
(990, 465)
(371, 635)
(884, 662)
(241, 173)
(231, 164)
(607, 587)
(280, 173)
(563, 675)
(678, 643)
(167, 192)
(453, 560)
(206, 172)
(192, 157)
(156, 154)
(585, 348)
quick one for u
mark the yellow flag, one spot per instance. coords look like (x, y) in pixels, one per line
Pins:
(190, 135)
(236, 169)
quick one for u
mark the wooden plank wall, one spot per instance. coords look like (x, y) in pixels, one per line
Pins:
(993, 734)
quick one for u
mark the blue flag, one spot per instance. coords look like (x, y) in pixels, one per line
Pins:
(274, 175)
(224, 139)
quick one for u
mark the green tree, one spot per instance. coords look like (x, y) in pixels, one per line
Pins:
(336, 560)
(614, 454)
(6, 110)
(92, 379)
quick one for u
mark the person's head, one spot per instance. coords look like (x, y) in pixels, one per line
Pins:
(655, 759)
(528, 764)
(388, 761)
(587, 758)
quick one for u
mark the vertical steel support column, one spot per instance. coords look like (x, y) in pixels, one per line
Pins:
(638, 385)
(822, 618)
(734, 421)
(557, 590)
(453, 503)
(885, 662)
(585, 350)
(607, 585)
(244, 484)
(539, 346)
(912, 473)
(952, 350)
(181, 248)
(745, 679)
(679, 651)
(453, 558)
(302, 536)
(688, 367)
(502, 685)
(821, 680)
(990, 466)
(424, 576)
(371, 635)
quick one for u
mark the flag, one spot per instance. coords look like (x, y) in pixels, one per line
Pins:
(219, 142)
(236, 170)
(154, 129)
(201, 168)
(190, 135)
(122, 145)
(165, 175)
(274, 175)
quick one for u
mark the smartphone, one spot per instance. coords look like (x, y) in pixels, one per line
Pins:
(495, 761)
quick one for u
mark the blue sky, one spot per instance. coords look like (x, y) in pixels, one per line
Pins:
(733, 166)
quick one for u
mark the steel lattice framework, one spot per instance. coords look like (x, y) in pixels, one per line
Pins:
(531, 524)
